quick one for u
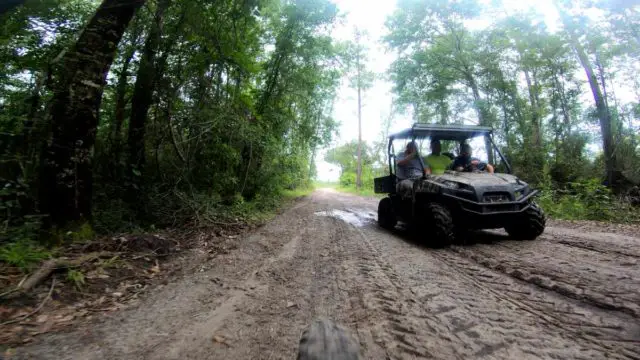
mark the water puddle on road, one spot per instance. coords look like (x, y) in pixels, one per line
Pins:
(354, 217)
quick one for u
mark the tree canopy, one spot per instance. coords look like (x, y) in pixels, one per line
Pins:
(224, 100)
(541, 90)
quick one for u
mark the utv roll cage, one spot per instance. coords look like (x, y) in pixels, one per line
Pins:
(459, 133)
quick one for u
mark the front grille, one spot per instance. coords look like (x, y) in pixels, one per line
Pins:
(496, 197)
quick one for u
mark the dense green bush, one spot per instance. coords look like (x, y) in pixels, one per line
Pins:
(19, 245)
(239, 105)
(586, 200)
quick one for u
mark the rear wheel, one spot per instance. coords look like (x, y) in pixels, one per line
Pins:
(529, 225)
(386, 215)
(440, 224)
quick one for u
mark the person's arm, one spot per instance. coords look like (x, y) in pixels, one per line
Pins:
(406, 159)
(456, 165)
(483, 166)
(426, 167)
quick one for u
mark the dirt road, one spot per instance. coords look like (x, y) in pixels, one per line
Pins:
(572, 294)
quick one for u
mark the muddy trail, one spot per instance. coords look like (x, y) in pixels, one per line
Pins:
(572, 294)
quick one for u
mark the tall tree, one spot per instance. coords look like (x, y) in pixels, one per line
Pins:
(437, 52)
(603, 113)
(66, 177)
(142, 99)
(361, 79)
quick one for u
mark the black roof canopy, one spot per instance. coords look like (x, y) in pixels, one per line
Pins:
(442, 132)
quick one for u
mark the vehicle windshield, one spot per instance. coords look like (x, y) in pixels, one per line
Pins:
(448, 148)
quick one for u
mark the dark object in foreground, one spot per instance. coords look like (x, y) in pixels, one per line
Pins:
(445, 206)
(325, 340)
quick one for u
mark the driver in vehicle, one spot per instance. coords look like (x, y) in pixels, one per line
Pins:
(409, 168)
(465, 162)
(436, 162)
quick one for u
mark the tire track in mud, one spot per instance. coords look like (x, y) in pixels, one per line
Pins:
(573, 274)
(614, 245)
(612, 332)
(534, 323)
(298, 288)
(452, 296)
(593, 245)
(480, 318)
(389, 320)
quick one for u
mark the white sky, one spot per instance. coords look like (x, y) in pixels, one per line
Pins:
(370, 16)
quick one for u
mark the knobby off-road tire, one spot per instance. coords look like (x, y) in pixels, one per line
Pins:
(440, 226)
(324, 340)
(529, 225)
(386, 215)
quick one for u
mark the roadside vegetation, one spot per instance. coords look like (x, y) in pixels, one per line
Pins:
(210, 113)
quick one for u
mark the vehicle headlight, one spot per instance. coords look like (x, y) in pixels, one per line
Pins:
(451, 184)
(520, 192)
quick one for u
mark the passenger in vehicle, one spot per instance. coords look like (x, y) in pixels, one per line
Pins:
(409, 167)
(465, 162)
(436, 162)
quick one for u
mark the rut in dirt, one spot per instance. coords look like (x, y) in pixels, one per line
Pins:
(326, 257)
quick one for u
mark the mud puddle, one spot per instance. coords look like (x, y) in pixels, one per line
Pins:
(355, 217)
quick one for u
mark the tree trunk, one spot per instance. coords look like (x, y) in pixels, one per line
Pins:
(601, 73)
(482, 115)
(535, 112)
(603, 115)
(280, 55)
(563, 100)
(30, 146)
(121, 104)
(66, 176)
(612, 176)
(142, 99)
(359, 164)
(535, 156)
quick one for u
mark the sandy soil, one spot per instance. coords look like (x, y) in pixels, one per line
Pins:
(572, 294)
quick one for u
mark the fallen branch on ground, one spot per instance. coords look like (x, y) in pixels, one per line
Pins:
(50, 266)
(53, 283)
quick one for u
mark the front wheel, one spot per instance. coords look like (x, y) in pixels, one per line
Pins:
(529, 225)
(440, 226)
(386, 215)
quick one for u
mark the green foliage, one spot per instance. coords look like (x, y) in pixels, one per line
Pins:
(23, 253)
(240, 103)
(19, 245)
(587, 200)
(345, 156)
(76, 277)
(113, 262)
(521, 79)
(82, 233)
